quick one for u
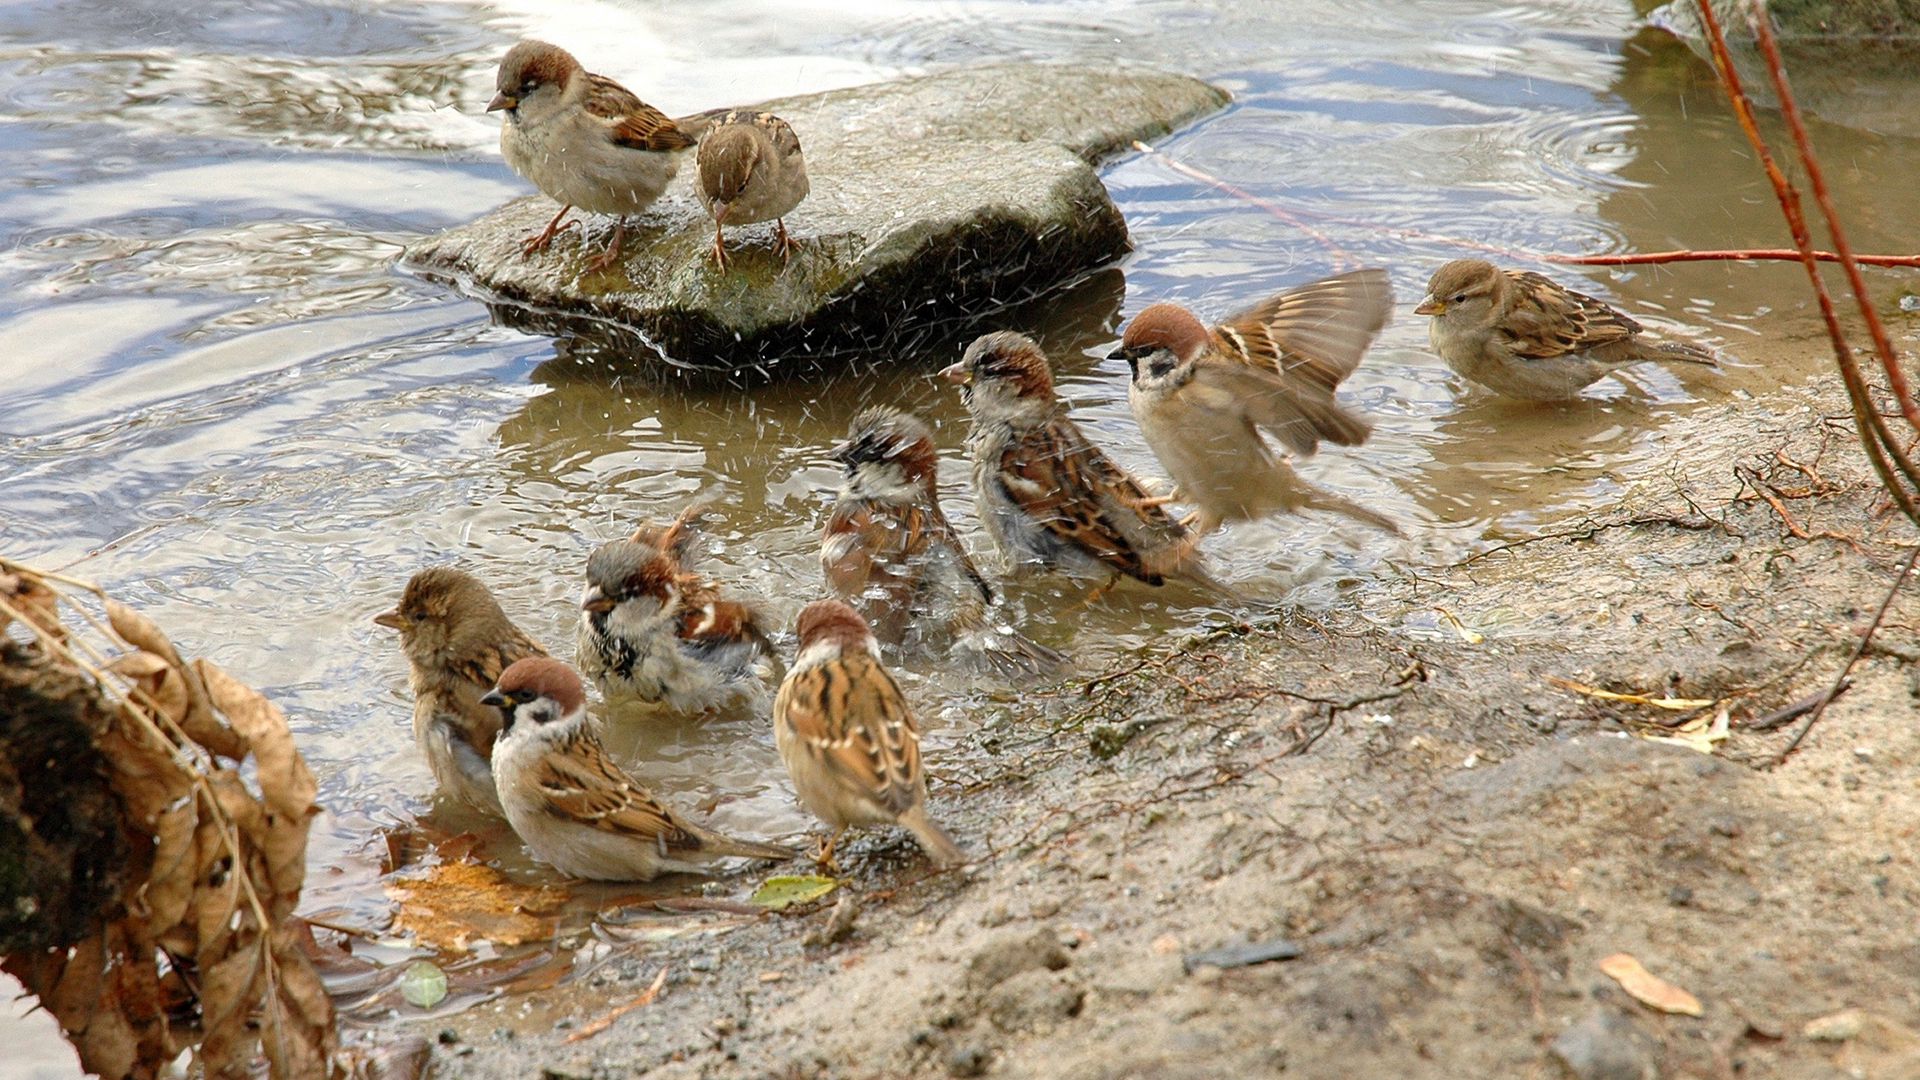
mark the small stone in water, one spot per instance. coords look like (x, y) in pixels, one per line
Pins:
(1910, 302)
(423, 984)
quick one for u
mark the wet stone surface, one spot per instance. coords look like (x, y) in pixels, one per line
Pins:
(933, 199)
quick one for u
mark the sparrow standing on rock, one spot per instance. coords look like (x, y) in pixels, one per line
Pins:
(652, 629)
(457, 641)
(890, 553)
(1203, 395)
(584, 139)
(1050, 499)
(847, 736)
(751, 170)
(575, 809)
(1518, 333)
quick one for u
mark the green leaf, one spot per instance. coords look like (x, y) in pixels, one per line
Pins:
(423, 984)
(789, 889)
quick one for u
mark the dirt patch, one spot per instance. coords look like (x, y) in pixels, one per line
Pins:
(1452, 841)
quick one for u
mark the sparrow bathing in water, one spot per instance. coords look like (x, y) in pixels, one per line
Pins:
(1518, 333)
(585, 140)
(847, 737)
(652, 629)
(1203, 396)
(889, 552)
(457, 641)
(578, 811)
(1050, 499)
(751, 170)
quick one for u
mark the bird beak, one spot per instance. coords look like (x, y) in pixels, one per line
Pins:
(1431, 306)
(595, 601)
(503, 100)
(390, 619)
(495, 698)
(958, 374)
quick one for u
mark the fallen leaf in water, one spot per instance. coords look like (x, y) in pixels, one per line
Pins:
(1647, 988)
(424, 985)
(785, 890)
(452, 905)
(1676, 704)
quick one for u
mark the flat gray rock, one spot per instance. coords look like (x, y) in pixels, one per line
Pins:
(934, 199)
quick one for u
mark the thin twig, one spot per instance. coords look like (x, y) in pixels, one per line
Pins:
(1839, 684)
(605, 1020)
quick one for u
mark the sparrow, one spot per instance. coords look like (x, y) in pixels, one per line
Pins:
(1518, 333)
(575, 809)
(751, 170)
(888, 550)
(1202, 396)
(584, 139)
(1050, 499)
(847, 737)
(457, 641)
(652, 629)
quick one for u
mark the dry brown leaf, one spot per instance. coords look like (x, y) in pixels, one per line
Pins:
(1647, 988)
(227, 992)
(454, 904)
(29, 595)
(170, 883)
(285, 781)
(141, 632)
(108, 1045)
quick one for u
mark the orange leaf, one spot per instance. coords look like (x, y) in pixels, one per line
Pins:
(1647, 989)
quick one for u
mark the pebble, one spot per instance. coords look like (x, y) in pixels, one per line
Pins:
(967, 1061)
(1605, 1044)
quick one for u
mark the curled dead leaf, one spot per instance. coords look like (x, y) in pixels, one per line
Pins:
(169, 885)
(1647, 988)
(141, 632)
(29, 595)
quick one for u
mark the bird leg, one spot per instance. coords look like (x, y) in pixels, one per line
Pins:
(1153, 501)
(783, 241)
(823, 852)
(719, 245)
(539, 241)
(612, 254)
(1094, 596)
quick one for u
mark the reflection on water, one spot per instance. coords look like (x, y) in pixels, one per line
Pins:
(228, 407)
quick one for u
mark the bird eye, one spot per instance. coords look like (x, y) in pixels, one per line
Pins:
(1457, 298)
(529, 87)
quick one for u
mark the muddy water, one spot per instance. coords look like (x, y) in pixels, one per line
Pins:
(222, 401)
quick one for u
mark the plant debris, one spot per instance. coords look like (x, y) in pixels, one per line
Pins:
(206, 952)
(1648, 989)
(452, 906)
(785, 890)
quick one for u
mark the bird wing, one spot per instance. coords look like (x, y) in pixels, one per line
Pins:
(1549, 319)
(633, 123)
(1279, 362)
(852, 719)
(578, 782)
(1074, 491)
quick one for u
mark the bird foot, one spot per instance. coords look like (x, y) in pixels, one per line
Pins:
(610, 256)
(540, 240)
(783, 241)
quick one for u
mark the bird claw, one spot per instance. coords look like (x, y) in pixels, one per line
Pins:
(783, 241)
(542, 239)
(612, 255)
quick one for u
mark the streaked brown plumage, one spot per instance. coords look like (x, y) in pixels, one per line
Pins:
(1050, 499)
(457, 641)
(1204, 395)
(574, 807)
(1524, 335)
(584, 139)
(848, 737)
(889, 552)
(654, 629)
(751, 170)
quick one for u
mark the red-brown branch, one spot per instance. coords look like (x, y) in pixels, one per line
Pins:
(1729, 255)
(1816, 179)
(1875, 437)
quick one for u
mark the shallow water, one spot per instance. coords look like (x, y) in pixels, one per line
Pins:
(225, 404)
